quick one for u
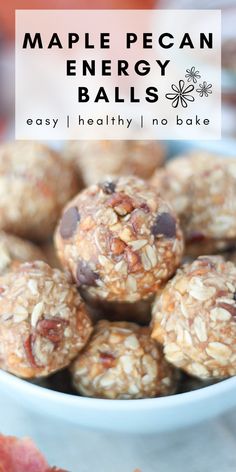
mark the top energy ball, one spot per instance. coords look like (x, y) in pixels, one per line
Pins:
(35, 184)
(96, 159)
(120, 240)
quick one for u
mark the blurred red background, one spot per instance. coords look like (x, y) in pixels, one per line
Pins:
(8, 7)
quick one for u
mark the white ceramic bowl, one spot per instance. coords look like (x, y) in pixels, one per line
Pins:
(128, 416)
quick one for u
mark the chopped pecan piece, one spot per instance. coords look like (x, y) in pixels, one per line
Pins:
(133, 260)
(28, 346)
(164, 225)
(52, 329)
(117, 246)
(108, 360)
(121, 203)
(230, 308)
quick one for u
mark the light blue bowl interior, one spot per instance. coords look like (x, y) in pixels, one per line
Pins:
(225, 147)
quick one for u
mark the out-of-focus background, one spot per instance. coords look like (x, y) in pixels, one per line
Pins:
(228, 11)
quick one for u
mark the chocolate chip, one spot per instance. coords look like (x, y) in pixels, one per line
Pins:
(164, 225)
(108, 187)
(117, 246)
(234, 296)
(69, 222)
(85, 275)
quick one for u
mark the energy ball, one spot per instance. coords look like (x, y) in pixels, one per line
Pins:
(202, 190)
(195, 318)
(120, 240)
(35, 184)
(94, 159)
(15, 250)
(43, 321)
(121, 361)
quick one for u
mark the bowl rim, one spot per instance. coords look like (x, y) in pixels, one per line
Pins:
(66, 399)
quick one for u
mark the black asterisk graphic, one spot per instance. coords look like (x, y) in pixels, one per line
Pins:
(181, 95)
(204, 89)
(192, 75)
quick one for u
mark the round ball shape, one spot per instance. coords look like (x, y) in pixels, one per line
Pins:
(202, 189)
(43, 321)
(121, 361)
(195, 318)
(120, 240)
(35, 184)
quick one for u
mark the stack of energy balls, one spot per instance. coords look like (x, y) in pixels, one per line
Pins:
(132, 299)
